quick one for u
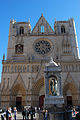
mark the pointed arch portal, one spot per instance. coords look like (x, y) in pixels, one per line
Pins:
(70, 93)
(18, 93)
(38, 91)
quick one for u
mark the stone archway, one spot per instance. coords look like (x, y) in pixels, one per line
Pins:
(18, 92)
(74, 92)
(36, 90)
(18, 95)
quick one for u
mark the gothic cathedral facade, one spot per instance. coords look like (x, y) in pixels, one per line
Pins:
(22, 81)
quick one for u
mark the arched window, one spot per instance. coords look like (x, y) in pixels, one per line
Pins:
(62, 29)
(19, 49)
(42, 28)
(21, 30)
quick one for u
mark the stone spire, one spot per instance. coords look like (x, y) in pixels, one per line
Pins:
(3, 56)
(42, 14)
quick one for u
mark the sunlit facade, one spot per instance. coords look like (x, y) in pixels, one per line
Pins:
(22, 81)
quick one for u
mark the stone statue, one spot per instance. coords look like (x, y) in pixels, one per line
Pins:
(53, 84)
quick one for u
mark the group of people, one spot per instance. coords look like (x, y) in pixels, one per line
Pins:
(8, 114)
(28, 111)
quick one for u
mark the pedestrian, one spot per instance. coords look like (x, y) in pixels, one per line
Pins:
(10, 114)
(2, 116)
(15, 112)
(34, 112)
(46, 115)
(23, 113)
(26, 113)
(78, 116)
(43, 114)
(31, 112)
(74, 114)
(7, 114)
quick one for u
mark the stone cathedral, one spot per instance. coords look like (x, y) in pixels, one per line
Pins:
(23, 79)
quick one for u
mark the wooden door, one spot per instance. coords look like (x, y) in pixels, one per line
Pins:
(41, 101)
(18, 102)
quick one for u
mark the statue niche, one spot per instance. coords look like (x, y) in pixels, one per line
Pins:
(19, 49)
(53, 86)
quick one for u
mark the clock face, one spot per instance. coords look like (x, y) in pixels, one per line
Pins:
(42, 47)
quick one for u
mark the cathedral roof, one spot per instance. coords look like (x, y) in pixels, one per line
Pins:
(42, 21)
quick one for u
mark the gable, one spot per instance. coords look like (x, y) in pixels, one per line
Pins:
(69, 78)
(42, 26)
(18, 81)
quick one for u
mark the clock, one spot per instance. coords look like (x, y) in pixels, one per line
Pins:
(42, 47)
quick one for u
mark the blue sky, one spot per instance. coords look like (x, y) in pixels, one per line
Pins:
(22, 10)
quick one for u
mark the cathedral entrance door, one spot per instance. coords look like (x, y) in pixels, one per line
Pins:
(69, 100)
(18, 102)
(41, 101)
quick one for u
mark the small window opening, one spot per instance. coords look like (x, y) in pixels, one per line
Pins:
(42, 28)
(62, 29)
(21, 30)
